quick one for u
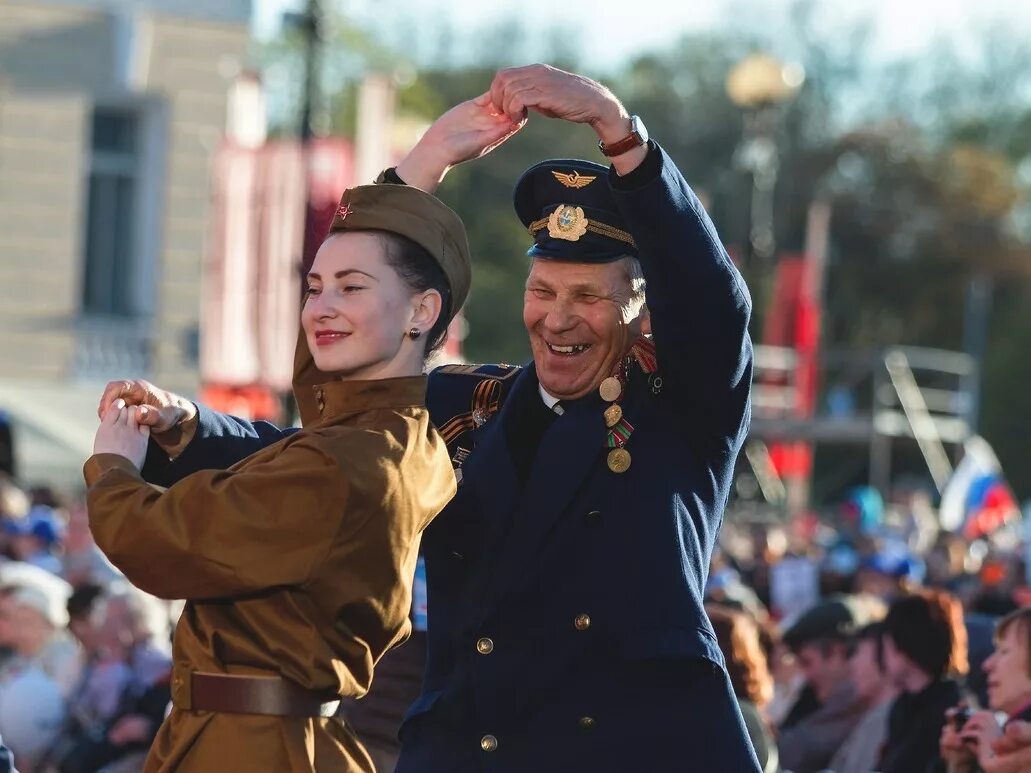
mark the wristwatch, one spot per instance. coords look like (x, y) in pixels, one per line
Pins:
(638, 136)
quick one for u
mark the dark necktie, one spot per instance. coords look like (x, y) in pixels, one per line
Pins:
(525, 430)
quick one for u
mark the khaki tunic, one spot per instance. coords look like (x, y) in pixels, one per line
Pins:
(297, 562)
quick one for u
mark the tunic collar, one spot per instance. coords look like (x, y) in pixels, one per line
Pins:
(340, 398)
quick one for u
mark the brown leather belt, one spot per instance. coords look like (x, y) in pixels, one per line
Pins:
(244, 694)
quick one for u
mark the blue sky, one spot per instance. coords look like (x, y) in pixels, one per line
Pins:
(901, 27)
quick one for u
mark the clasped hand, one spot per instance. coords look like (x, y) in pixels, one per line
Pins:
(120, 432)
(477, 126)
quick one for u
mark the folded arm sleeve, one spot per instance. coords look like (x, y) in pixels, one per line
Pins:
(219, 441)
(219, 533)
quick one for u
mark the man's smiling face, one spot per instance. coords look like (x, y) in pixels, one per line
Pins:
(582, 318)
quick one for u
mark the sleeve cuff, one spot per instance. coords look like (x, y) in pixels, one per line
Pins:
(646, 171)
(99, 464)
(390, 176)
(174, 441)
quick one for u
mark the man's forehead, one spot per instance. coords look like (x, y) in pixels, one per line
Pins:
(569, 273)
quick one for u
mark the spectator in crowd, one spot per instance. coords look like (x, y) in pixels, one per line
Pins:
(37, 620)
(83, 604)
(889, 573)
(14, 503)
(1009, 692)
(738, 637)
(859, 752)
(105, 676)
(821, 640)
(31, 703)
(124, 695)
(925, 650)
(31, 713)
(82, 562)
(34, 538)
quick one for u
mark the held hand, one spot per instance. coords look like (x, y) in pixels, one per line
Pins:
(120, 433)
(469, 130)
(133, 728)
(159, 410)
(979, 732)
(950, 741)
(1016, 736)
(1013, 762)
(950, 745)
(559, 94)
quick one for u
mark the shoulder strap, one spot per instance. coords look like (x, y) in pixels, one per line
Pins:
(462, 398)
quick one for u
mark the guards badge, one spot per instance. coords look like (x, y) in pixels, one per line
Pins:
(567, 222)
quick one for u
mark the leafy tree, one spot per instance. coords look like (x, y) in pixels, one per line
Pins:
(924, 162)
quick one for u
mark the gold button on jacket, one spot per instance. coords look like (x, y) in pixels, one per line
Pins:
(488, 743)
(582, 622)
(485, 646)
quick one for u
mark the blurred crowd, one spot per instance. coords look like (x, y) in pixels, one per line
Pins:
(85, 658)
(863, 640)
(869, 640)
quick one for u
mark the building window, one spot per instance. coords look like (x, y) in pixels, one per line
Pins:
(121, 204)
(111, 281)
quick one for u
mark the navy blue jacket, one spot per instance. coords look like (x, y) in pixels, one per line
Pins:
(551, 602)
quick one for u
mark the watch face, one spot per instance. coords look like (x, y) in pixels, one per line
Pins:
(638, 128)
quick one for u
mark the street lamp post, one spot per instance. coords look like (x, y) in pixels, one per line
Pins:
(759, 84)
(310, 24)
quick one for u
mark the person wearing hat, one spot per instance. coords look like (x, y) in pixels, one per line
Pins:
(565, 580)
(822, 639)
(297, 562)
(35, 537)
(34, 623)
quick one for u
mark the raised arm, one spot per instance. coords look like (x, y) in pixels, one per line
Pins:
(698, 303)
(469, 130)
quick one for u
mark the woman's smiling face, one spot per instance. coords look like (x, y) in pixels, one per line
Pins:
(357, 308)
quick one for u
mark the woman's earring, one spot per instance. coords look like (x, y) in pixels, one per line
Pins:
(414, 333)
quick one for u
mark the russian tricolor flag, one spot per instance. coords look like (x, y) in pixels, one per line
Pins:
(977, 500)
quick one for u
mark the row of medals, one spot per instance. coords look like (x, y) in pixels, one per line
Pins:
(610, 390)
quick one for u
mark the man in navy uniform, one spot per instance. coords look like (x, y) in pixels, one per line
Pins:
(565, 580)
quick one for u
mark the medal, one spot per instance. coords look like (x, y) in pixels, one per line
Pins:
(610, 389)
(619, 460)
(612, 415)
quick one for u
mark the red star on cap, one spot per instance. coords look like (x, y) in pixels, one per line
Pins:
(344, 211)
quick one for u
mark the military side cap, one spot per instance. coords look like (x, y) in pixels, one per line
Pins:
(410, 212)
(569, 210)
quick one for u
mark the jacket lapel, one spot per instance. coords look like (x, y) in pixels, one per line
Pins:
(567, 453)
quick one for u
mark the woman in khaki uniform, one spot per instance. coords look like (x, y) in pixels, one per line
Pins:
(297, 563)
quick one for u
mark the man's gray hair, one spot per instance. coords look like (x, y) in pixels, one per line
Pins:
(635, 276)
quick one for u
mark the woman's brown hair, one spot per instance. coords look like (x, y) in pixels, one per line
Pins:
(738, 637)
(927, 626)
